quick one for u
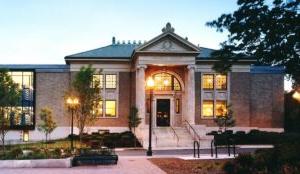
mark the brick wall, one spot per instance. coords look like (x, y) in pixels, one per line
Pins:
(50, 91)
(267, 103)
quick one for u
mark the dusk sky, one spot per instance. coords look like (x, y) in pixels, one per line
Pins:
(44, 32)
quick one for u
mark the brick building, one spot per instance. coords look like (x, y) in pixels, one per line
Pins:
(187, 90)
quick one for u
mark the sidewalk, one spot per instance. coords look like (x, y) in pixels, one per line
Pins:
(126, 165)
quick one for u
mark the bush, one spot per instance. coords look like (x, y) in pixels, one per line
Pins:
(282, 159)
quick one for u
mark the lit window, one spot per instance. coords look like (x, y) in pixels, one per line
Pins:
(221, 108)
(110, 81)
(98, 109)
(208, 81)
(97, 81)
(110, 108)
(221, 81)
(208, 108)
(166, 82)
(177, 106)
(25, 136)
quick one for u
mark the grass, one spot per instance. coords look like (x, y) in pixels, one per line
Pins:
(179, 166)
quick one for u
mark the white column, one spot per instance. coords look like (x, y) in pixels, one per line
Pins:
(190, 95)
(140, 94)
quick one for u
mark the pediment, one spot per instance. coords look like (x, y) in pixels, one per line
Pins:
(168, 42)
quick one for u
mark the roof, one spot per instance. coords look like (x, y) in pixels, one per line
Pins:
(37, 67)
(267, 69)
(123, 51)
(120, 51)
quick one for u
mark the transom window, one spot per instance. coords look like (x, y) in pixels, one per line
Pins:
(217, 81)
(110, 81)
(166, 82)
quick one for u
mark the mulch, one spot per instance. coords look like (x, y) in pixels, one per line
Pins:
(179, 166)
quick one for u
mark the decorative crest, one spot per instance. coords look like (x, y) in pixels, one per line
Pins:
(168, 28)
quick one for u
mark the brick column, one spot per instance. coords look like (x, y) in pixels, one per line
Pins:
(140, 93)
(190, 95)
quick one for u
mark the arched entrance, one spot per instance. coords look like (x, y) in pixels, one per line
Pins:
(167, 99)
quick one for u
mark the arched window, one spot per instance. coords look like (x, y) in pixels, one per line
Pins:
(166, 82)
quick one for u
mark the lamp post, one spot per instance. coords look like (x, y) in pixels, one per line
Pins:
(150, 86)
(72, 103)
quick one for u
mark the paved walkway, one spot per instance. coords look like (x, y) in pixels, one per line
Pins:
(126, 165)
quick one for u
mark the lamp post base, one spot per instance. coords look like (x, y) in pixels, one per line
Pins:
(149, 152)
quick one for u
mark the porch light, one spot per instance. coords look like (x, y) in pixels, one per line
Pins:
(150, 83)
(296, 96)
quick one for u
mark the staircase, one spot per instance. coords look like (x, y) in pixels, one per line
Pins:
(177, 137)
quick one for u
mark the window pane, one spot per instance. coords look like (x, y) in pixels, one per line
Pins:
(98, 109)
(208, 81)
(110, 108)
(221, 81)
(97, 81)
(208, 109)
(176, 85)
(111, 81)
(221, 108)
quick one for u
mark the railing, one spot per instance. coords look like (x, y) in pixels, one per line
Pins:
(213, 144)
(175, 134)
(196, 143)
(192, 131)
(231, 144)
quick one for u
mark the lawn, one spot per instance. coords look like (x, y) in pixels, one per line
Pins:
(179, 166)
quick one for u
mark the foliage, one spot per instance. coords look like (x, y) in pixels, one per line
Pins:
(9, 96)
(87, 95)
(283, 159)
(226, 119)
(292, 113)
(47, 124)
(270, 33)
(256, 137)
(134, 119)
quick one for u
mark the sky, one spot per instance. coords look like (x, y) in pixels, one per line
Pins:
(44, 32)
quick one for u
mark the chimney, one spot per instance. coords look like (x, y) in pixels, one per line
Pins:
(113, 40)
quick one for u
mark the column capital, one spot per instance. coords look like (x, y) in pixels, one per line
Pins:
(191, 67)
(141, 66)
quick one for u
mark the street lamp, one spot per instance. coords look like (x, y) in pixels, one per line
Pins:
(296, 95)
(150, 86)
(72, 103)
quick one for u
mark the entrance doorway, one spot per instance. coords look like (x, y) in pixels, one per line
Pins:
(163, 112)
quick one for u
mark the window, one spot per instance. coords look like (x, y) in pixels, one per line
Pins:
(221, 108)
(25, 135)
(110, 81)
(208, 81)
(23, 113)
(208, 108)
(166, 82)
(97, 81)
(110, 108)
(177, 106)
(221, 81)
(98, 109)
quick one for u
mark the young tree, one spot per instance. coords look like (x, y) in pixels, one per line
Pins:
(134, 120)
(268, 32)
(225, 119)
(47, 124)
(9, 97)
(88, 92)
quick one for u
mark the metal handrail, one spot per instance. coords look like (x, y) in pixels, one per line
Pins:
(196, 143)
(175, 134)
(212, 150)
(196, 136)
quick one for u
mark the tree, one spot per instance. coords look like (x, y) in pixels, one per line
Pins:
(134, 121)
(225, 119)
(88, 92)
(9, 97)
(269, 33)
(47, 124)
